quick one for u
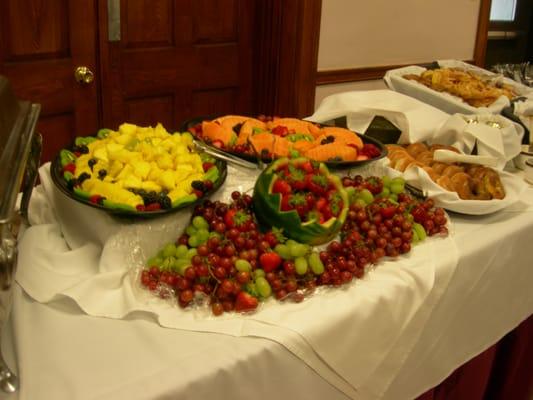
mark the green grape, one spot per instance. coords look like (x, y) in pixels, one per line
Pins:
(169, 250)
(154, 261)
(203, 235)
(191, 253)
(291, 242)
(415, 238)
(259, 272)
(263, 287)
(420, 231)
(199, 222)
(397, 186)
(386, 181)
(181, 251)
(298, 249)
(283, 251)
(316, 264)
(243, 265)
(181, 265)
(190, 230)
(194, 241)
(359, 202)
(393, 197)
(385, 192)
(167, 263)
(300, 265)
(366, 195)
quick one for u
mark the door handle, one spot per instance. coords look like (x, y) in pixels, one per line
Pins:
(113, 20)
(83, 75)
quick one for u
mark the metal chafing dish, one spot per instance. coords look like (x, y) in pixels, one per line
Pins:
(20, 151)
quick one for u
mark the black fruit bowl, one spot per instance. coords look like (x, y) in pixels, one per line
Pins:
(190, 123)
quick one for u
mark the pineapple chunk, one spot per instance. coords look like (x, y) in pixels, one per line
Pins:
(167, 179)
(132, 182)
(141, 169)
(127, 129)
(151, 186)
(165, 162)
(114, 168)
(177, 193)
(126, 171)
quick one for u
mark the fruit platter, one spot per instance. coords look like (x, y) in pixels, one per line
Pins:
(268, 138)
(137, 171)
(303, 229)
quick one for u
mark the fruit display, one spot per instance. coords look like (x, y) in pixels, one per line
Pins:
(137, 169)
(469, 181)
(302, 198)
(223, 259)
(472, 88)
(269, 138)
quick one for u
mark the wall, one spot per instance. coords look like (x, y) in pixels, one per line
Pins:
(362, 33)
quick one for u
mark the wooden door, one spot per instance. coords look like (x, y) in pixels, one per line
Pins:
(176, 59)
(41, 44)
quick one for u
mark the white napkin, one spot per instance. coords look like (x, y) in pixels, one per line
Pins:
(524, 110)
(417, 177)
(98, 269)
(416, 120)
(494, 135)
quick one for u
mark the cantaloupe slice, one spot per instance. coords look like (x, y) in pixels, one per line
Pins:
(301, 146)
(230, 121)
(341, 136)
(262, 142)
(247, 129)
(332, 151)
(214, 131)
(281, 147)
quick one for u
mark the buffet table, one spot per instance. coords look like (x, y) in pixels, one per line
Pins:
(62, 353)
(394, 334)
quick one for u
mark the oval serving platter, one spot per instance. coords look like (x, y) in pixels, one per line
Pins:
(190, 124)
(57, 173)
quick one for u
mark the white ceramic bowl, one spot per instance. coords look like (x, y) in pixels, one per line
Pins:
(520, 160)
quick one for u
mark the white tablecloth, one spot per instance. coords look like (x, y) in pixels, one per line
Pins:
(417, 320)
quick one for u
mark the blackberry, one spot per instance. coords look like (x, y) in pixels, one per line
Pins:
(165, 202)
(102, 173)
(328, 139)
(150, 197)
(92, 162)
(83, 176)
(237, 128)
(83, 149)
(198, 185)
(72, 183)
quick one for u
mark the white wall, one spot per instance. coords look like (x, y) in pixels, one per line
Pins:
(369, 33)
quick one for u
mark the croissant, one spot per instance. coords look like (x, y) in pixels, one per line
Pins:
(469, 181)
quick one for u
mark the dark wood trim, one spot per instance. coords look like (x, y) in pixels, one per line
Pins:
(353, 74)
(287, 54)
(330, 77)
(480, 48)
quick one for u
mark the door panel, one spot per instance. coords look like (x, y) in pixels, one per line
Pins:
(177, 59)
(41, 43)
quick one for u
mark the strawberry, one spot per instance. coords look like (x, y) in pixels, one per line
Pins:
(321, 203)
(70, 167)
(206, 166)
(370, 150)
(245, 302)
(285, 205)
(307, 167)
(270, 261)
(280, 130)
(153, 207)
(282, 187)
(237, 219)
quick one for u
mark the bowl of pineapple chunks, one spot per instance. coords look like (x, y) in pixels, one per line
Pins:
(137, 171)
